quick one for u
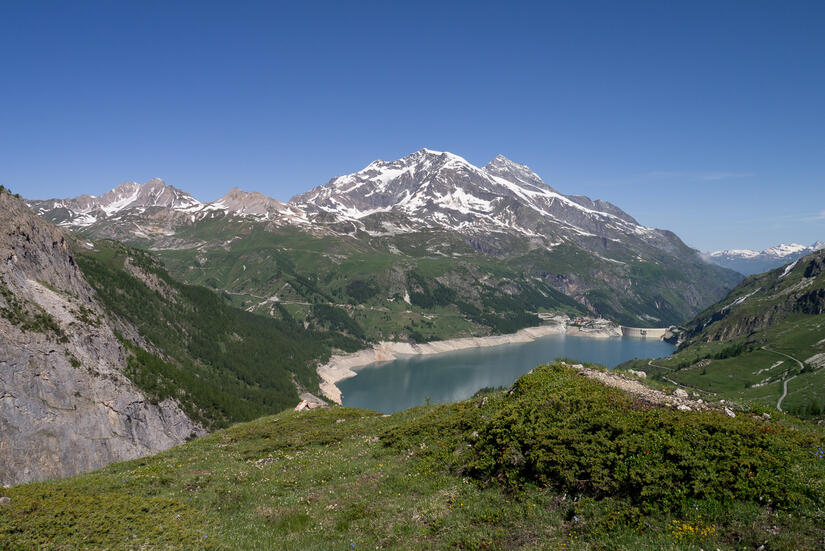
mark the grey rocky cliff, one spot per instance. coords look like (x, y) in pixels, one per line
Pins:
(65, 404)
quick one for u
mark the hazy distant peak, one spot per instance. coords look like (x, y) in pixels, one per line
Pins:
(747, 261)
(777, 251)
(255, 204)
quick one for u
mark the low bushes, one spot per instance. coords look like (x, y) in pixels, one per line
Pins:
(557, 429)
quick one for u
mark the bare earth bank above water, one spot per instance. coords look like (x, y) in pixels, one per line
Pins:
(344, 366)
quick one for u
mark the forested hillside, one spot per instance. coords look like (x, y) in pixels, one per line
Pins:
(221, 363)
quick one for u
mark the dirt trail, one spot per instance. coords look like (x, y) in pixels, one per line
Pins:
(643, 392)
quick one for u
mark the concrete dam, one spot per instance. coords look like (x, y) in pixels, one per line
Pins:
(645, 332)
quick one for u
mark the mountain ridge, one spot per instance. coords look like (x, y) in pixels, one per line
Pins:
(84, 210)
(428, 205)
(441, 189)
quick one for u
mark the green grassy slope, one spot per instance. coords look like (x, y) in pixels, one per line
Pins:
(448, 296)
(222, 364)
(769, 330)
(561, 462)
(487, 290)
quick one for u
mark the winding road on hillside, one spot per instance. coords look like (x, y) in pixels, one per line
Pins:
(786, 381)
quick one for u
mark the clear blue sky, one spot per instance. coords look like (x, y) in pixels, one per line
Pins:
(706, 118)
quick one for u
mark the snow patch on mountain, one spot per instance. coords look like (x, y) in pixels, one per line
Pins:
(788, 268)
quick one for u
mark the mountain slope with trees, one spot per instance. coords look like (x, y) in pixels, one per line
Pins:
(222, 364)
(66, 402)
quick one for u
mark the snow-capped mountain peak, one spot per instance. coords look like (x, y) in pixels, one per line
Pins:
(742, 253)
(384, 185)
(777, 251)
(442, 190)
(515, 172)
(783, 249)
(88, 209)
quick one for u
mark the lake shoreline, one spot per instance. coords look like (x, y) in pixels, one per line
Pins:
(344, 366)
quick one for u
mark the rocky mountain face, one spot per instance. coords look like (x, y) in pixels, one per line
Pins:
(427, 205)
(256, 205)
(65, 404)
(86, 210)
(748, 262)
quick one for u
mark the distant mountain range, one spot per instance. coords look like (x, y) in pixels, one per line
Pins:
(131, 198)
(750, 262)
(427, 206)
(428, 189)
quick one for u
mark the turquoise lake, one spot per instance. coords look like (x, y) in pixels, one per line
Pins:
(412, 380)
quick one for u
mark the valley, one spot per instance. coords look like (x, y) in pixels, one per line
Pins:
(425, 247)
(763, 343)
(465, 276)
(231, 319)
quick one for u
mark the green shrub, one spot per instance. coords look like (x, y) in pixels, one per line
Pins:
(571, 433)
(361, 291)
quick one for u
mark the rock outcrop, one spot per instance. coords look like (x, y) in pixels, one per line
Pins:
(65, 404)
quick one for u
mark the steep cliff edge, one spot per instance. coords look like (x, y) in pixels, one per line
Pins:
(65, 405)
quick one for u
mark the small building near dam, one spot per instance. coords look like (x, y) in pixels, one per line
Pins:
(646, 332)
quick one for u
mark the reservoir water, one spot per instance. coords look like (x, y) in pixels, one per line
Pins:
(413, 380)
